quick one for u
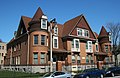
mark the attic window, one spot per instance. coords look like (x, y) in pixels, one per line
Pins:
(21, 31)
(82, 32)
(44, 22)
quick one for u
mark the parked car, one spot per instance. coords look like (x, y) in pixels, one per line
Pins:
(112, 71)
(57, 74)
(91, 73)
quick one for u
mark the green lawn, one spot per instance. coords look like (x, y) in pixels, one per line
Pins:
(13, 74)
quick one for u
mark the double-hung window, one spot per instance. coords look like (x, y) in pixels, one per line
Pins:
(73, 59)
(35, 39)
(56, 30)
(79, 32)
(106, 48)
(55, 42)
(44, 22)
(86, 33)
(78, 60)
(89, 46)
(42, 60)
(75, 45)
(43, 39)
(35, 58)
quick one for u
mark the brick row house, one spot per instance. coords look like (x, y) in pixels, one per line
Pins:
(2, 52)
(75, 45)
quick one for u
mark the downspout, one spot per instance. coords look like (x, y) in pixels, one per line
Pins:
(28, 49)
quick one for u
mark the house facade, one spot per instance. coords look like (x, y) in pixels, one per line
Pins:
(74, 45)
(3, 52)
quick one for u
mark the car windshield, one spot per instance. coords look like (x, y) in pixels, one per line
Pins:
(47, 74)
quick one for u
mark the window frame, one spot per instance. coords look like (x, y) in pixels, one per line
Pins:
(42, 58)
(43, 21)
(43, 41)
(34, 59)
(56, 30)
(54, 44)
(34, 39)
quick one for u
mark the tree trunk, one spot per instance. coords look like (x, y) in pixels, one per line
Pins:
(116, 60)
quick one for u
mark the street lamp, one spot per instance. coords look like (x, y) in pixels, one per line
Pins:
(53, 21)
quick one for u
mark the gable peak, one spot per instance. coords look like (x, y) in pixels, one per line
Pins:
(38, 14)
(103, 32)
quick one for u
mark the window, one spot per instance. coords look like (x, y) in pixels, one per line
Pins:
(55, 42)
(78, 59)
(73, 59)
(42, 60)
(55, 30)
(96, 47)
(87, 59)
(35, 39)
(91, 59)
(35, 58)
(43, 40)
(79, 32)
(106, 48)
(86, 46)
(44, 23)
(86, 33)
(82, 32)
(21, 31)
(75, 44)
(89, 46)
(72, 43)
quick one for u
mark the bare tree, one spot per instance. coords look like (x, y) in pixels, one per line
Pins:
(114, 28)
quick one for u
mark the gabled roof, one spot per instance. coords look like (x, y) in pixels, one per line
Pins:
(69, 25)
(37, 15)
(26, 20)
(103, 32)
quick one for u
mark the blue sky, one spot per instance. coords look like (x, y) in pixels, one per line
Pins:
(97, 12)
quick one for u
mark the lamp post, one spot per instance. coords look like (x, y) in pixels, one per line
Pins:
(53, 21)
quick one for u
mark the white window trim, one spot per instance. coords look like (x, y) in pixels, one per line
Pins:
(57, 30)
(89, 50)
(54, 37)
(83, 32)
(45, 18)
(75, 49)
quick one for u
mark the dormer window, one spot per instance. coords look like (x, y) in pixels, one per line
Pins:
(56, 30)
(44, 22)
